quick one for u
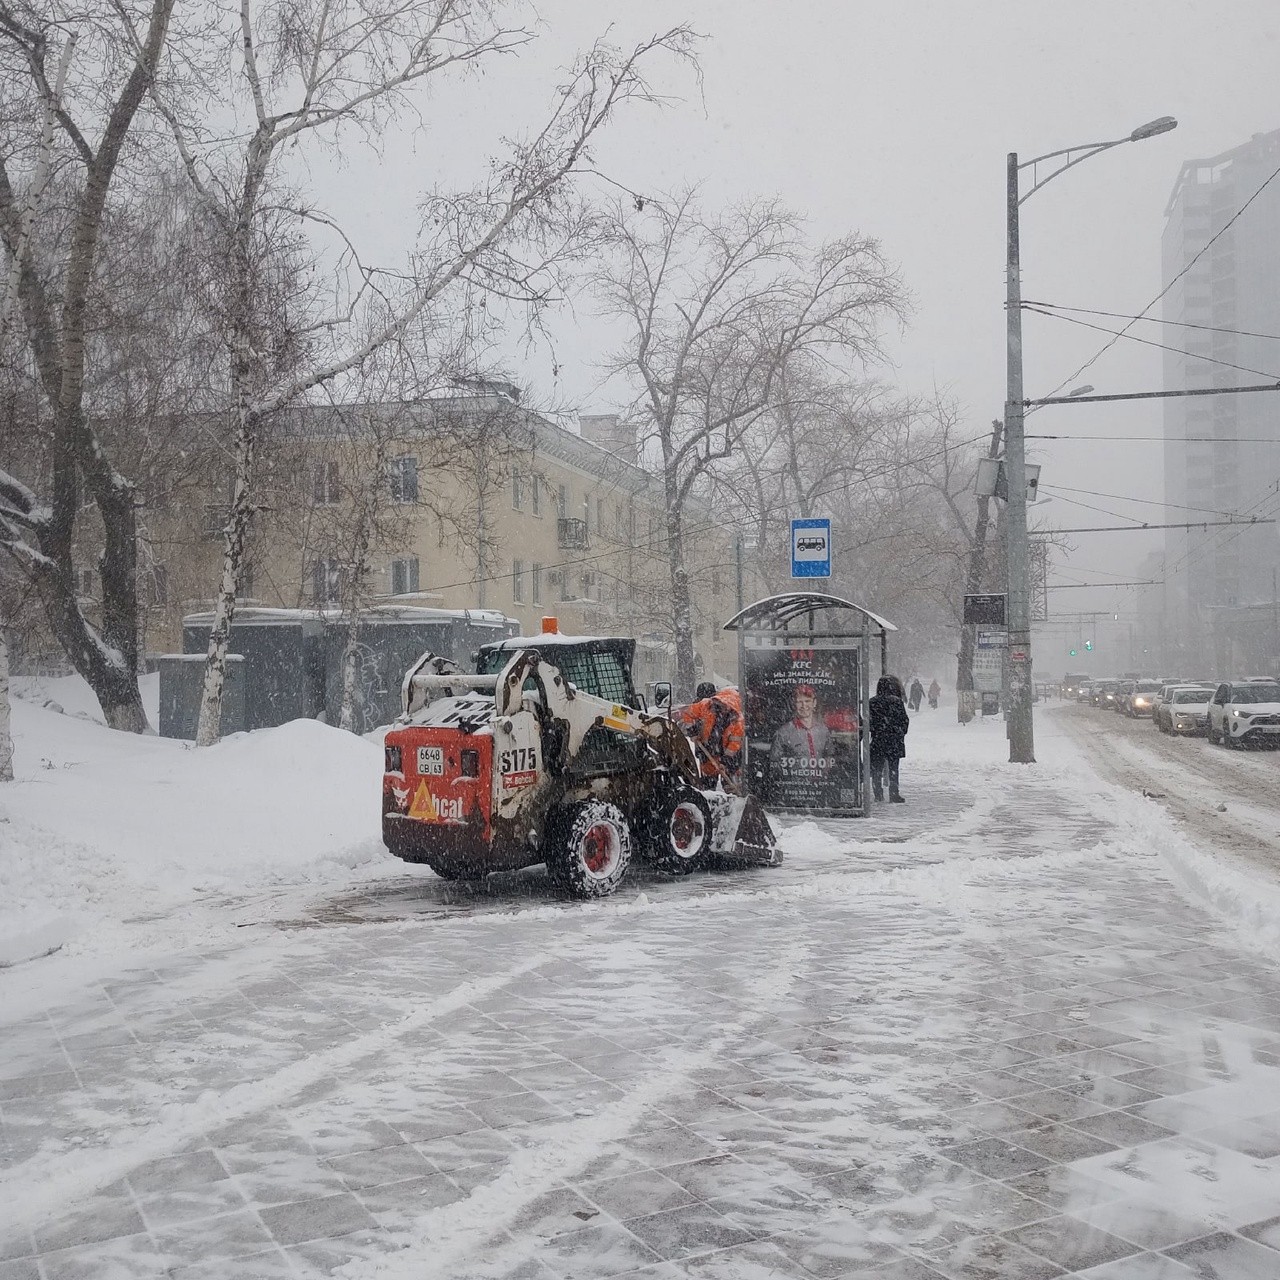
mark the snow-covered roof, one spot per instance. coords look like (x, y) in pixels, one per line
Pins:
(260, 616)
(784, 607)
(548, 639)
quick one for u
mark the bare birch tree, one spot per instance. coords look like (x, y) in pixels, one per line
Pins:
(81, 124)
(310, 71)
(718, 308)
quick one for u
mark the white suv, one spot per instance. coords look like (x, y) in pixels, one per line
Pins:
(1248, 711)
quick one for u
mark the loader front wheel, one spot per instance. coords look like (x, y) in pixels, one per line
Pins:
(680, 833)
(589, 849)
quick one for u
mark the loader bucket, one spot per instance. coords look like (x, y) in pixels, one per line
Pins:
(741, 831)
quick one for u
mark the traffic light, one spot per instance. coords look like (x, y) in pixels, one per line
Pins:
(1088, 644)
(1073, 653)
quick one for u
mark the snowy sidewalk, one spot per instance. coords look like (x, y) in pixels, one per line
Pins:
(979, 1035)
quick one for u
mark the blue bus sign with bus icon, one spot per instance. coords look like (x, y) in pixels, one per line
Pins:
(811, 548)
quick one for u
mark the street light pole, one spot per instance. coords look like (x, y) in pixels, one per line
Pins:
(1018, 620)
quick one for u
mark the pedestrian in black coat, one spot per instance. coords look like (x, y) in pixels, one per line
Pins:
(890, 724)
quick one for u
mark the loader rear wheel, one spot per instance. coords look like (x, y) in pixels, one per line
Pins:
(589, 849)
(680, 833)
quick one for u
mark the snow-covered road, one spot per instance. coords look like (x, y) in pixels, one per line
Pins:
(1022, 1026)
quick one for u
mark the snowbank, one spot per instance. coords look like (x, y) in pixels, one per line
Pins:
(103, 830)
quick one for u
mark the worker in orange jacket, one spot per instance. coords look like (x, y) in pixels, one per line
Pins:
(715, 722)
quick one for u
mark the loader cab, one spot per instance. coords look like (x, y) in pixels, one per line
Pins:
(599, 665)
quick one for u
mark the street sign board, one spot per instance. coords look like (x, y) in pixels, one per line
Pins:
(811, 548)
(985, 610)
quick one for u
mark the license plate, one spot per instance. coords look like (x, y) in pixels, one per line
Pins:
(430, 761)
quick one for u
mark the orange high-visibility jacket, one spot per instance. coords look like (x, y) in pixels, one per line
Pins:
(717, 724)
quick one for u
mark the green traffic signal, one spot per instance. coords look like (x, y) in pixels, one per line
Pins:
(1088, 644)
(1073, 653)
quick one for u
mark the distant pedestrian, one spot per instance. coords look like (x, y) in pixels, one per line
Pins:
(889, 727)
(935, 689)
(917, 694)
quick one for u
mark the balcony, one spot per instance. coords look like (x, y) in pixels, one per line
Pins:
(571, 534)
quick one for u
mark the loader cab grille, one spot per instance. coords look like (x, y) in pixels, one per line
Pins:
(600, 667)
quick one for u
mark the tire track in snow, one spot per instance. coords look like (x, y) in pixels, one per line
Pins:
(40, 1187)
(456, 1233)
(1247, 835)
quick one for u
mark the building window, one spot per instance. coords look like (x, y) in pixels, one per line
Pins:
(244, 583)
(617, 521)
(517, 491)
(600, 516)
(326, 492)
(631, 524)
(517, 581)
(404, 576)
(587, 586)
(717, 585)
(535, 492)
(561, 577)
(326, 581)
(537, 583)
(402, 473)
(159, 585)
(562, 502)
(84, 582)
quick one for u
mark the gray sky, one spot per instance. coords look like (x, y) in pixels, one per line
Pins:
(894, 119)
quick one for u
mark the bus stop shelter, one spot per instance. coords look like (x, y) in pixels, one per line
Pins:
(804, 668)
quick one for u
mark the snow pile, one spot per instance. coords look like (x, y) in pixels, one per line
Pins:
(102, 828)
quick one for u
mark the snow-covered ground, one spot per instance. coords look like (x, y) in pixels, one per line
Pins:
(112, 844)
(1022, 1026)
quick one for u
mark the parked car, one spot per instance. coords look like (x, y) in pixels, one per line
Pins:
(1246, 711)
(1139, 696)
(1184, 709)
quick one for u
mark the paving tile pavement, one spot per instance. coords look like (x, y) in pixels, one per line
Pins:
(1038, 1067)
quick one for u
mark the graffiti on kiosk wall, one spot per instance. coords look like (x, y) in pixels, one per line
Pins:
(802, 723)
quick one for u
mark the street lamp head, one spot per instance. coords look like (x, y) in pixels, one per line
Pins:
(1153, 127)
(1080, 391)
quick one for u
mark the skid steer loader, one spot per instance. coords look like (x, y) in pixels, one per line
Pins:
(542, 755)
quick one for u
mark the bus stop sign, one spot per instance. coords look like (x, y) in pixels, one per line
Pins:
(811, 548)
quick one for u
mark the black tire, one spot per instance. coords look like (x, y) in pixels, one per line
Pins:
(678, 836)
(589, 849)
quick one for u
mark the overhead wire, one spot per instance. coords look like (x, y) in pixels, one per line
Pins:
(1124, 315)
(1162, 346)
(1125, 497)
(1142, 315)
(662, 542)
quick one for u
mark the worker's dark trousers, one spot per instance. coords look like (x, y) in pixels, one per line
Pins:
(881, 765)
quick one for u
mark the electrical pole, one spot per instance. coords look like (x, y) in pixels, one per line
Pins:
(1018, 655)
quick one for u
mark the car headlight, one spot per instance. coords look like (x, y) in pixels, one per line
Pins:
(1139, 702)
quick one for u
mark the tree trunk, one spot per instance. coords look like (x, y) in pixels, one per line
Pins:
(235, 535)
(350, 663)
(681, 608)
(6, 736)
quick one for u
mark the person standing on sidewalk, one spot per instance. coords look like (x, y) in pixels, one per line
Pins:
(890, 724)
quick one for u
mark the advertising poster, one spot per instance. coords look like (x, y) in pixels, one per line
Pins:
(802, 726)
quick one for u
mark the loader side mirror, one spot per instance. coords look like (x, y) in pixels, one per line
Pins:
(662, 693)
